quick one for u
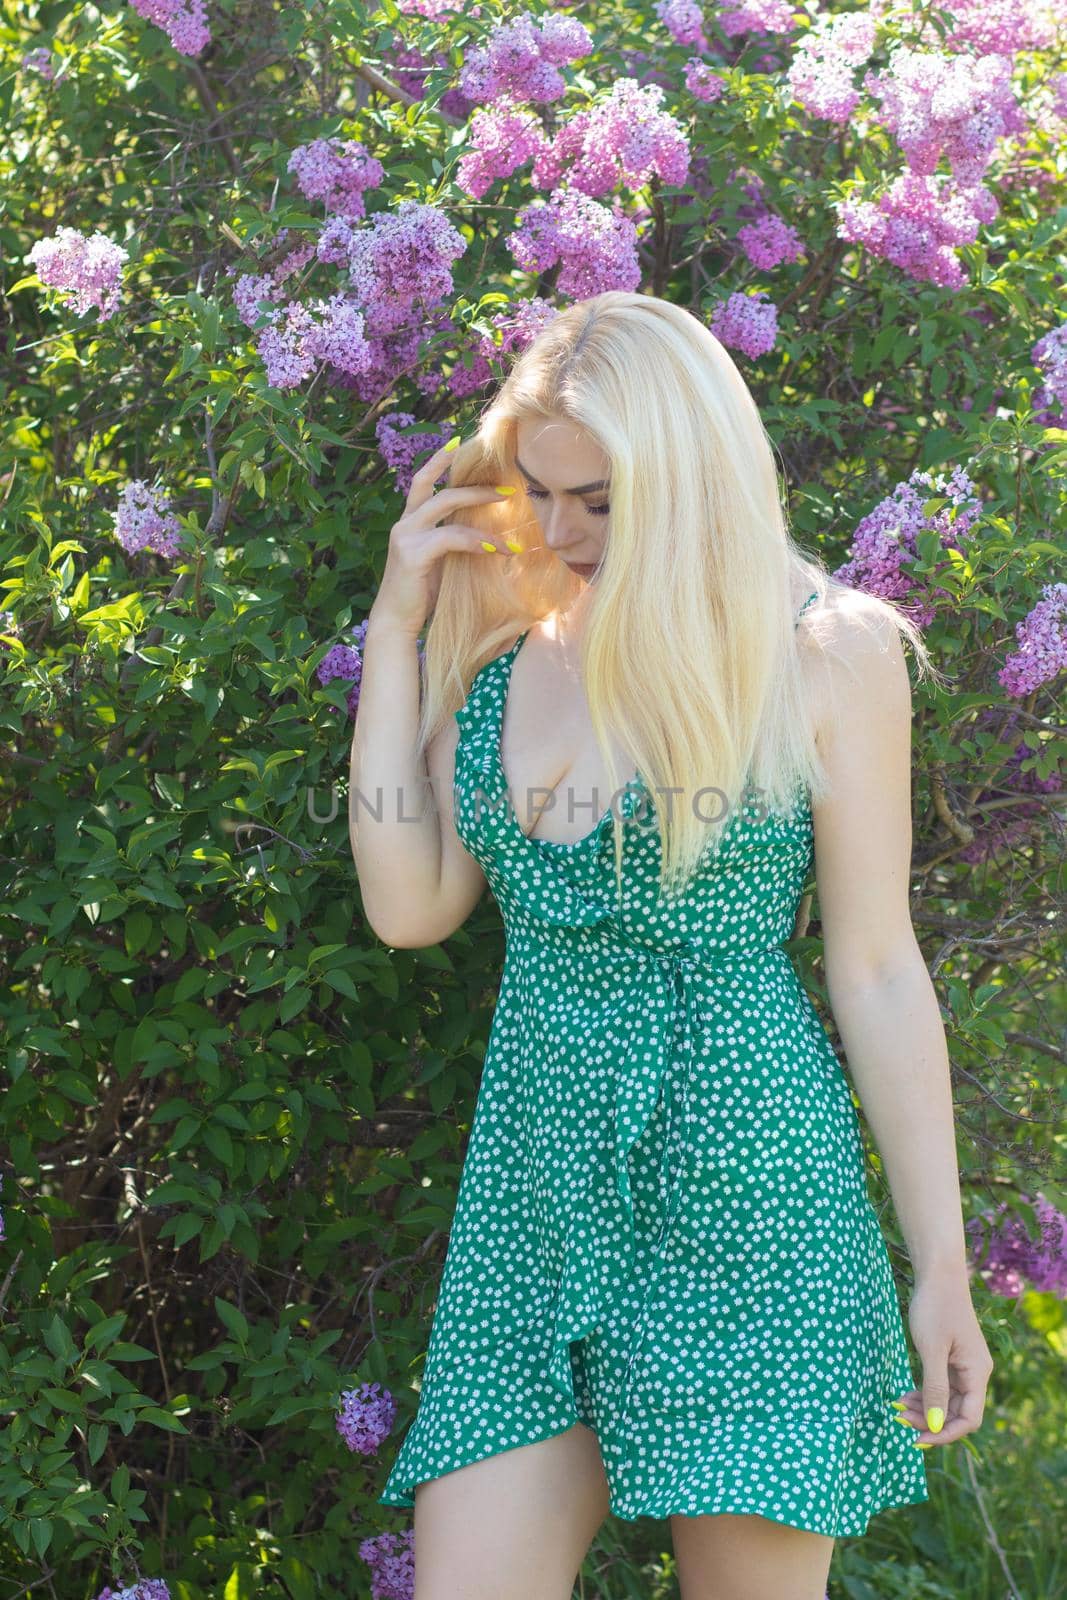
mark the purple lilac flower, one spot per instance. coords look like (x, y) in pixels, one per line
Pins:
(701, 82)
(346, 661)
(884, 544)
(1003, 826)
(747, 322)
(39, 60)
(183, 21)
(623, 137)
(391, 1559)
(402, 263)
(596, 247)
(758, 16)
(1007, 1258)
(1049, 354)
(434, 10)
(770, 241)
(3, 1227)
(522, 58)
(142, 1589)
(1042, 640)
(143, 521)
(366, 1416)
(87, 267)
(336, 171)
(400, 450)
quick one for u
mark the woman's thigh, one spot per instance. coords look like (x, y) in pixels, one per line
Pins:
(731, 1557)
(518, 1523)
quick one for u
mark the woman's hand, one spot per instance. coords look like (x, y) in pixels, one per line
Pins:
(409, 587)
(956, 1365)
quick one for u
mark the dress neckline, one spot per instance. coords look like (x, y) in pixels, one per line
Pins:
(635, 783)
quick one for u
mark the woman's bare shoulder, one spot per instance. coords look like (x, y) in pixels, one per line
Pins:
(859, 656)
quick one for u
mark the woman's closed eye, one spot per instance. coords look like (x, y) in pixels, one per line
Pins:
(542, 494)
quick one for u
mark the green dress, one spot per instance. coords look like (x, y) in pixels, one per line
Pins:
(662, 1227)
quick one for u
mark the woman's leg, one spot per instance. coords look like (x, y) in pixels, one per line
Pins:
(730, 1557)
(518, 1523)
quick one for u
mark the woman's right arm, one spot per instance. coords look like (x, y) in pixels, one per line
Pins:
(417, 882)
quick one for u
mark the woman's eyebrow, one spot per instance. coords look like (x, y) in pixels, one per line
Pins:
(583, 488)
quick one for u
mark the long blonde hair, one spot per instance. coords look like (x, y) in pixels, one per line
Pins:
(690, 653)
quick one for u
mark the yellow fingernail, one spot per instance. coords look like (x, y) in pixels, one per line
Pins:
(487, 546)
(935, 1419)
(453, 442)
(922, 1445)
(504, 488)
(513, 544)
(901, 1403)
(904, 1420)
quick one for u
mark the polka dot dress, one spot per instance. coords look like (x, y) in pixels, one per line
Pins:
(662, 1227)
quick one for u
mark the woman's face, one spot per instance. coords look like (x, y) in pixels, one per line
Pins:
(565, 474)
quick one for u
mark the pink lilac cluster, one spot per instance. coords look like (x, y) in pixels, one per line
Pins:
(770, 241)
(884, 545)
(1042, 640)
(821, 74)
(336, 171)
(1005, 826)
(747, 322)
(144, 521)
(366, 1416)
(955, 106)
(1007, 1258)
(1000, 27)
(1050, 399)
(522, 59)
(399, 450)
(625, 136)
(701, 82)
(758, 16)
(183, 21)
(391, 1559)
(3, 1227)
(684, 21)
(142, 1589)
(39, 60)
(1058, 86)
(88, 267)
(399, 265)
(502, 138)
(595, 246)
(918, 223)
(435, 10)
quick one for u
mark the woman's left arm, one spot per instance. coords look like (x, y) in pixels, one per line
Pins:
(884, 1002)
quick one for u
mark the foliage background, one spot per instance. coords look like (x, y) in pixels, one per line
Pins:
(233, 1123)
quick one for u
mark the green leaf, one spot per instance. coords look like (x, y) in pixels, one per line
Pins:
(232, 1319)
(162, 1419)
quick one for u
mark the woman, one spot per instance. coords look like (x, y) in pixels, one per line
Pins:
(666, 1292)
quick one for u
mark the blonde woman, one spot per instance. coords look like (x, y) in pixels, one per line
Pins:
(644, 718)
